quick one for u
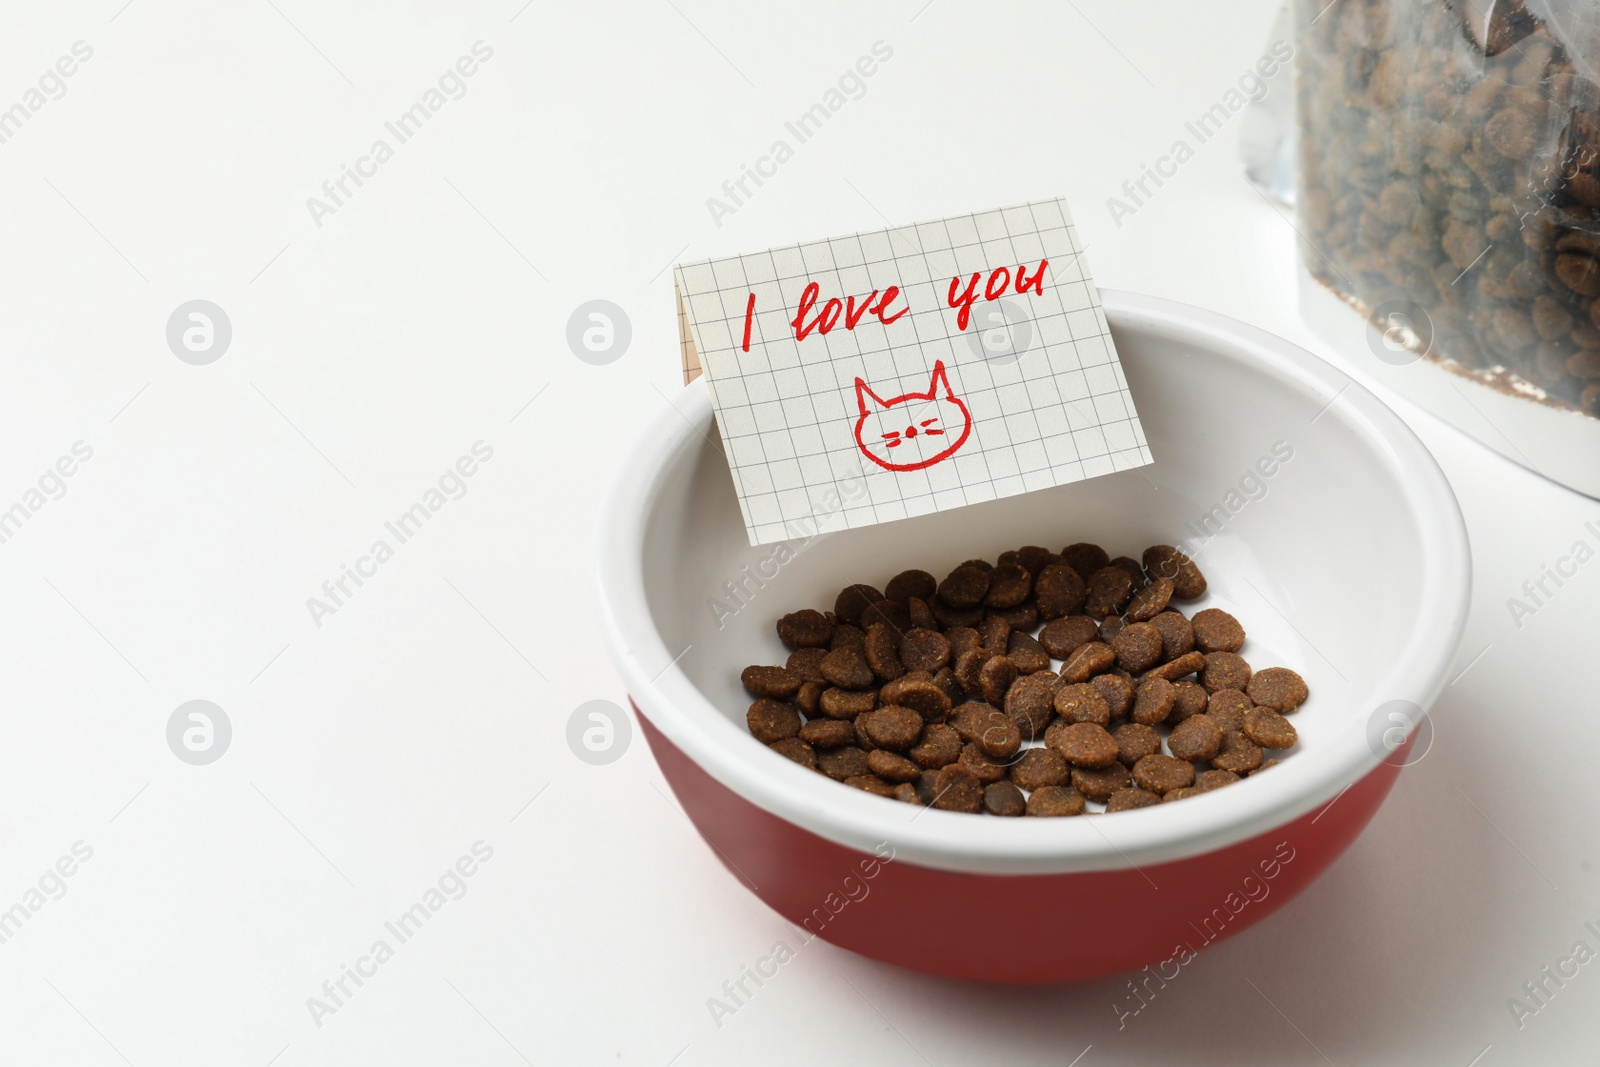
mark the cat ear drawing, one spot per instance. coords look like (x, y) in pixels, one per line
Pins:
(927, 427)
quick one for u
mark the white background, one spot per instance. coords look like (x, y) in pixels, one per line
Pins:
(368, 354)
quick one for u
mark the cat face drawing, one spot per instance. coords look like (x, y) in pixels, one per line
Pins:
(914, 431)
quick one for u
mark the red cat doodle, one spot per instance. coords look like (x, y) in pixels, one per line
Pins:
(914, 431)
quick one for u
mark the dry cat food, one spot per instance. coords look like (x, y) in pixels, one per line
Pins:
(1036, 685)
(1450, 158)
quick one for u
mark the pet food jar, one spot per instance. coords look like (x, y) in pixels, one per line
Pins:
(1449, 192)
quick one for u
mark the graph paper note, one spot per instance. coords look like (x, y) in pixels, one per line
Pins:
(894, 373)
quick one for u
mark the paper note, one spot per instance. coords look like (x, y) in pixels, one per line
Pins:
(882, 375)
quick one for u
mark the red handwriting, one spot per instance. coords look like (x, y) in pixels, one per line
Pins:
(828, 317)
(993, 289)
(1000, 282)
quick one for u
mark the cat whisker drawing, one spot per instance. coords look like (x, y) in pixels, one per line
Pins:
(876, 414)
(893, 436)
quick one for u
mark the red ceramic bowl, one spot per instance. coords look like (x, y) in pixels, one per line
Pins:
(1348, 562)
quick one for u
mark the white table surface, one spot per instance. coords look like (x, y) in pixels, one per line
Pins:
(371, 751)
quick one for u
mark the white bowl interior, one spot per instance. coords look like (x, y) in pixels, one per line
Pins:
(1347, 563)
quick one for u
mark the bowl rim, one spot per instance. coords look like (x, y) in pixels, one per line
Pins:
(956, 842)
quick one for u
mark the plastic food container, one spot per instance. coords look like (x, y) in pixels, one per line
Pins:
(1449, 192)
(1349, 563)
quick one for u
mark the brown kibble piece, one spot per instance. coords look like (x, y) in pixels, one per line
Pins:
(806, 664)
(1214, 779)
(1278, 688)
(1030, 702)
(1227, 707)
(892, 766)
(805, 629)
(1269, 729)
(962, 639)
(1039, 767)
(1021, 617)
(863, 742)
(1225, 670)
(1135, 741)
(1188, 663)
(1133, 568)
(1579, 273)
(945, 679)
(871, 783)
(893, 727)
(1513, 132)
(968, 718)
(852, 601)
(1033, 557)
(1055, 801)
(775, 682)
(1164, 561)
(1153, 701)
(845, 703)
(1238, 754)
(1003, 798)
(948, 616)
(921, 696)
(908, 584)
(793, 748)
(1162, 774)
(1027, 653)
(955, 789)
(1196, 738)
(906, 793)
(978, 763)
(1182, 793)
(772, 720)
(940, 746)
(890, 613)
(883, 653)
(994, 634)
(1217, 631)
(995, 678)
(988, 728)
(1110, 627)
(1085, 558)
(969, 668)
(1138, 647)
(1082, 702)
(1082, 744)
(1099, 783)
(843, 762)
(1109, 591)
(828, 733)
(1089, 660)
(922, 616)
(1117, 691)
(1177, 634)
(1128, 799)
(1064, 636)
(1009, 585)
(1150, 601)
(848, 636)
(924, 650)
(1192, 700)
(847, 669)
(964, 587)
(1059, 590)
(810, 696)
